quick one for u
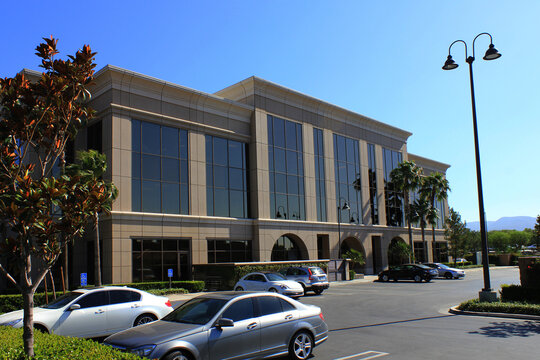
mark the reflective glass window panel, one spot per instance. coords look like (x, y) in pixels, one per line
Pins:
(235, 154)
(220, 151)
(150, 138)
(170, 200)
(151, 196)
(151, 167)
(169, 142)
(135, 135)
(170, 170)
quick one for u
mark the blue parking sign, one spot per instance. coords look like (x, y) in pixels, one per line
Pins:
(84, 279)
(169, 273)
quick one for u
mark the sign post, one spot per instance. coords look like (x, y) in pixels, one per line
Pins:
(170, 275)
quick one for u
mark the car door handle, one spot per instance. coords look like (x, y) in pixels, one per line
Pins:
(135, 306)
(100, 311)
(288, 317)
(252, 326)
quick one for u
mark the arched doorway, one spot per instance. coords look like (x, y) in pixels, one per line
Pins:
(354, 244)
(398, 252)
(288, 247)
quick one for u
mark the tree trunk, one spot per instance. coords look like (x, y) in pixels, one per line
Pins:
(408, 218)
(28, 321)
(433, 244)
(424, 242)
(97, 258)
(66, 275)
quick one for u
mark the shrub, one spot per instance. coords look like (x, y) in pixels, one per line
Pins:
(162, 292)
(500, 307)
(56, 347)
(352, 274)
(520, 293)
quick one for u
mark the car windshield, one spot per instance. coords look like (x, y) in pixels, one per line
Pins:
(442, 266)
(62, 300)
(197, 311)
(316, 271)
(275, 277)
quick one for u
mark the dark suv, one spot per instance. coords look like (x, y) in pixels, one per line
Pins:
(310, 277)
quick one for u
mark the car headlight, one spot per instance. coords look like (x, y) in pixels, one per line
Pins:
(12, 322)
(283, 286)
(144, 350)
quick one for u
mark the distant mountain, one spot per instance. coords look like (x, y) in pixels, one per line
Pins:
(506, 223)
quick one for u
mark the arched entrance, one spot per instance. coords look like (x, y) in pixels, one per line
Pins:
(289, 247)
(355, 245)
(398, 252)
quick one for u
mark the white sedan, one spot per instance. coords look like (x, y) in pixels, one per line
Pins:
(269, 281)
(94, 312)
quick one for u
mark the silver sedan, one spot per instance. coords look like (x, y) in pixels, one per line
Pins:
(229, 325)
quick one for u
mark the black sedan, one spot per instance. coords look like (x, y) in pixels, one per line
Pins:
(416, 272)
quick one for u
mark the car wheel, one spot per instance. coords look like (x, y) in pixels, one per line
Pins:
(385, 278)
(144, 319)
(41, 328)
(272, 290)
(417, 278)
(448, 275)
(239, 288)
(178, 355)
(428, 279)
(301, 346)
(318, 291)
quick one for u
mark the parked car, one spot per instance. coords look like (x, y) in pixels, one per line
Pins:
(269, 281)
(416, 272)
(446, 271)
(229, 325)
(310, 277)
(94, 312)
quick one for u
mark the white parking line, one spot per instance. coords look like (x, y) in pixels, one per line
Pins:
(365, 355)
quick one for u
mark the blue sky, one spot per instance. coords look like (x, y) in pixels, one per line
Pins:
(381, 59)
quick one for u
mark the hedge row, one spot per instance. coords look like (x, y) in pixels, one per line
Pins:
(56, 347)
(190, 286)
(500, 307)
(520, 293)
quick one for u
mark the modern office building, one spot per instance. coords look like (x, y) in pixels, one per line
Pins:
(254, 172)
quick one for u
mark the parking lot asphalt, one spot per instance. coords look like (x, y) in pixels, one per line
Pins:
(179, 298)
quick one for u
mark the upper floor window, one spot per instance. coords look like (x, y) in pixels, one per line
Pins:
(372, 173)
(159, 169)
(347, 172)
(394, 199)
(319, 174)
(286, 169)
(226, 178)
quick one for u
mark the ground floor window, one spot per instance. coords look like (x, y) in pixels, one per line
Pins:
(419, 252)
(222, 251)
(286, 249)
(152, 259)
(441, 252)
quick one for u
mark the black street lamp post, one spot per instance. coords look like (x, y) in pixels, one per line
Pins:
(487, 293)
(339, 208)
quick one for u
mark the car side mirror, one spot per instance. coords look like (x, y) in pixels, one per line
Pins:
(74, 307)
(224, 322)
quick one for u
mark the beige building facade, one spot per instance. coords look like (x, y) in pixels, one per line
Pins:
(254, 172)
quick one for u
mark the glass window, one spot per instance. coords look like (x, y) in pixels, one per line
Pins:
(99, 298)
(269, 305)
(240, 310)
(157, 170)
(320, 189)
(394, 199)
(285, 151)
(347, 163)
(226, 168)
(286, 306)
(229, 251)
(123, 296)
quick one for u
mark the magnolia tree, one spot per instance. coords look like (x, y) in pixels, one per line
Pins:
(41, 212)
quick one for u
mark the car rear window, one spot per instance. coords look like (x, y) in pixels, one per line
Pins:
(123, 296)
(316, 271)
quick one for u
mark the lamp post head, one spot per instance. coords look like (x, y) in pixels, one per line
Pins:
(492, 53)
(449, 64)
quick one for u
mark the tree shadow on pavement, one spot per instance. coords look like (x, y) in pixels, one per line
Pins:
(509, 329)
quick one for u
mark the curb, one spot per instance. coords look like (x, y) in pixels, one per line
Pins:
(454, 310)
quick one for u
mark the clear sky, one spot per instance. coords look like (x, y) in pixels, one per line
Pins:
(381, 59)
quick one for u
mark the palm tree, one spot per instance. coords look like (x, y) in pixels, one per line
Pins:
(420, 210)
(90, 167)
(434, 187)
(406, 178)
